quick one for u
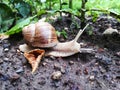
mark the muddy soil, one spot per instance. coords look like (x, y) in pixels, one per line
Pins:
(99, 70)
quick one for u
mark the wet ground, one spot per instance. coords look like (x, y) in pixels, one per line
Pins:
(83, 71)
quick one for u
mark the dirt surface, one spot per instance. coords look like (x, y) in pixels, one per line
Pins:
(99, 70)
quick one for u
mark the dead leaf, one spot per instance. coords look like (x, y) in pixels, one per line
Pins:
(3, 36)
(34, 57)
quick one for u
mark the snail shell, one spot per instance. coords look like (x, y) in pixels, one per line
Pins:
(40, 34)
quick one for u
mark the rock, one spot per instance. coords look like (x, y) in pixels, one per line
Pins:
(95, 71)
(4, 77)
(56, 75)
(110, 31)
(1, 61)
(19, 70)
(57, 66)
(42, 81)
(78, 72)
(118, 53)
(92, 77)
(44, 63)
(62, 70)
(6, 59)
(85, 71)
(102, 70)
(6, 49)
(104, 59)
(55, 83)
(6, 45)
(71, 62)
(107, 77)
(15, 76)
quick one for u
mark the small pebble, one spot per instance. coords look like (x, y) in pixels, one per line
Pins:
(15, 76)
(4, 77)
(71, 62)
(110, 31)
(66, 28)
(56, 75)
(19, 70)
(92, 78)
(1, 61)
(102, 70)
(104, 60)
(6, 49)
(6, 59)
(85, 71)
(6, 45)
(62, 70)
(44, 63)
(42, 82)
(118, 54)
(95, 71)
(96, 64)
(78, 72)
(57, 66)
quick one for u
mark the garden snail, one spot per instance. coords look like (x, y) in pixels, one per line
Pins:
(43, 35)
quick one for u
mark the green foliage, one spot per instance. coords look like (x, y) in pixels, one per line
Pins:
(63, 33)
(18, 27)
(6, 17)
(23, 8)
(12, 11)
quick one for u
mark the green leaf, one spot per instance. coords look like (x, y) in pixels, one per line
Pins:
(23, 8)
(18, 27)
(5, 11)
(6, 17)
(6, 24)
(41, 12)
(58, 33)
(64, 33)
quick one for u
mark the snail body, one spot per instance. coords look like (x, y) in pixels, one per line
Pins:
(64, 49)
(43, 35)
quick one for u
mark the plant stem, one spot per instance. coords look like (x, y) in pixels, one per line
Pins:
(50, 4)
(60, 8)
(83, 11)
(70, 6)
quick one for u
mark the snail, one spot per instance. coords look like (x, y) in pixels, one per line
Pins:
(43, 35)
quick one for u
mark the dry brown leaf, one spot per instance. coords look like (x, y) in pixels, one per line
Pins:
(34, 57)
(3, 36)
